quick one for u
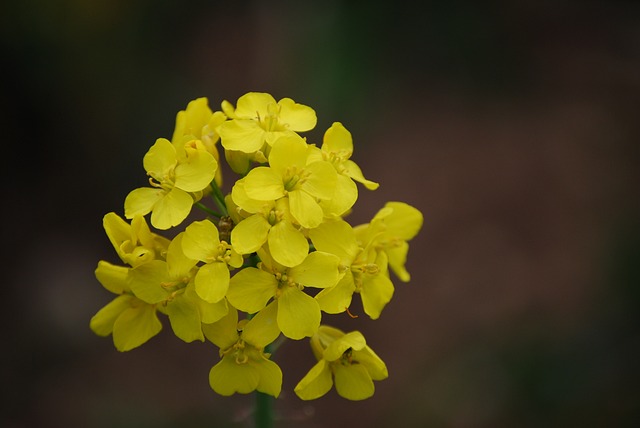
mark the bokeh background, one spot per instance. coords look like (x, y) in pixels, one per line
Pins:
(513, 126)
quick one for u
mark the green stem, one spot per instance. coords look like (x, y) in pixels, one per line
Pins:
(264, 410)
(208, 210)
(218, 197)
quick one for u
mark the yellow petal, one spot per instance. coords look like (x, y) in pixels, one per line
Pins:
(250, 289)
(171, 210)
(376, 293)
(321, 182)
(319, 269)
(102, 322)
(135, 326)
(403, 222)
(212, 282)
(141, 201)
(337, 139)
(250, 234)
(287, 244)
(298, 314)
(253, 103)
(336, 237)
(353, 340)
(112, 277)
(288, 151)
(161, 158)
(316, 383)
(354, 171)
(336, 300)
(270, 375)
(241, 135)
(200, 240)
(298, 117)
(224, 332)
(185, 319)
(353, 382)
(263, 328)
(304, 209)
(263, 184)
(197, 172)
(146, 281)
(344, 197)
(375, 366)
(228, 377)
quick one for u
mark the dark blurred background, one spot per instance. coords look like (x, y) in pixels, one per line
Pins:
(513, 126)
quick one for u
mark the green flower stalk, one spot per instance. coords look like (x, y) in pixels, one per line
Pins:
(243, 276)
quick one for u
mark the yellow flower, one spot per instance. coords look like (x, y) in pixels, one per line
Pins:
(343, 359)
(170, 285)
(244, 366)
(267, 221)
(201, 242)
(130, 320)
(134, 243)
(289, 175)
(198, 122)
(258, 119)
(176, 183)
(365, 270)
(390, 230)
(337, 148)
(298, 313)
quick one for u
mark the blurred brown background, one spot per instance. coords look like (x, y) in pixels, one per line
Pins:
(513, 126)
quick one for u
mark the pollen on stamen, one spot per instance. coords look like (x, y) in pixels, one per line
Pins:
(350, 314)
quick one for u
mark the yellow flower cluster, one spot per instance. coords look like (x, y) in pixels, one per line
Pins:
(278, 234)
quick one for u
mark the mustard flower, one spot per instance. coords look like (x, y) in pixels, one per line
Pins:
(176, 183)
(344, 360)
(267, 221)
(170, 285)
(390, 230)
(130, 321)
(365, 270)
(289, 175)
(337, 148)
(244, 366)
(259, 119)
(198, 122)
(201, 242)
(134, 243)
(298, 313)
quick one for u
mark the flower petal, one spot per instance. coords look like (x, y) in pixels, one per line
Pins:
(321, 182)
(298, 314)
(250, 234)
(353, 382)
(212, 282)
(112, 277)
(185, 319)
(200, 240)
(287, 245)
(263, 184)
(304, 209)
(250, 289)
(241, 135)
(102, 322)
(263, 328)
(316, 383)
(160, 158)
(298, 117)
(135, 326)
(319, 269)
(171, 209)
(141, 201)
(270, 377)
(228, 377)
(336, 237)
(224, 332)
(353, 340)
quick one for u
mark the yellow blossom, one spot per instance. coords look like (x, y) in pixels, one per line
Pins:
(390, 230)
(344, 360)
(289, 175)
(244, 366)
(176, 184)
(365, 270)
(298, 313)
(259, 119)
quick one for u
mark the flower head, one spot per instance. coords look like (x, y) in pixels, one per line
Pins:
(344, 360)
(244, 366)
